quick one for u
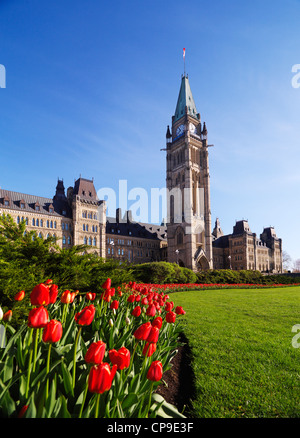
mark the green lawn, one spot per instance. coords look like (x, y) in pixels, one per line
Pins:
(242, 354)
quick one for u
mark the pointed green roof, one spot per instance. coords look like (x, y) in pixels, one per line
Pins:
(185, 99)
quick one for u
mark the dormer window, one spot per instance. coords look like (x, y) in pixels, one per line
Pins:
(22, 205)
(6, 201)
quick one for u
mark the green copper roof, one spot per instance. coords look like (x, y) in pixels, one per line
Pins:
(185, 99)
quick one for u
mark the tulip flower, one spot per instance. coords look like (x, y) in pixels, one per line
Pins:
(157, 322)
(143, 331)
(19, 296)
(155, 371)
(52, 331)
(114, 304)
(136, 311)
(38, 317)
(169, 306)
(151, 310)
(106, 284)
(66, 297)
(95, 353)
(179, 311)
(53, 292)
(121, 358)
(1, 313)
(40, 295)
(153, 335)
(86, 316)
(149, 349)
(7, 316)
(101, 377)
(171, 317)
(90, 296)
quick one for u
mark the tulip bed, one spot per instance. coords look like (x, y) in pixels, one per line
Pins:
(177, 287)
(88, 355)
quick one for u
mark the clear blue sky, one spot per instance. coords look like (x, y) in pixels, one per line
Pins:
(92, 85)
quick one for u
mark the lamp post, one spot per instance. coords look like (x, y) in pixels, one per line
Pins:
(177, 254)
(229, 258)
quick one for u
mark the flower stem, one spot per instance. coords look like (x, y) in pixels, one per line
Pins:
(74, 357)
(97, 406)
(47, 369)
(36, 339)
(83, 401)
(149, 405)
(29, 371)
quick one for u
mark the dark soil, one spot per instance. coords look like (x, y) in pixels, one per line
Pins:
(178, 382)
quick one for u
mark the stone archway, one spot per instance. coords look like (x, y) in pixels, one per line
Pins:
(202, 263)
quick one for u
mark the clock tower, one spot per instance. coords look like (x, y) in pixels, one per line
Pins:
(188, 187)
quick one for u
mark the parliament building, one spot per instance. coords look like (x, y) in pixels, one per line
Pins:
(75, 216)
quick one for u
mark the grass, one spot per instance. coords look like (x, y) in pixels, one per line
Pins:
(242, 354)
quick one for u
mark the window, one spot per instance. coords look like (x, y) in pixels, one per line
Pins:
(37, 208)
(22, 205)
(94, 241)
(90, 241)
(18, 219)
(40, 235)
(47, 224)
(108, 250)
(85, 240)
(51, 210)
(87, 228)
(41, 223)
(64, 240)
(33, 222)
(51, 224)
(67, 226)
(69, 240)
(96, 228)
(62, 226)
(6, 203)
(37, 223)
(83, 227)
(54, 224)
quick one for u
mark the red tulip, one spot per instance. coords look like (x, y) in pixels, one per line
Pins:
(95, 353)
(157, 322)
(38, 317)
(101, 377)
(66, 297)
(151, 310)
(149, 349)
(53, 331)
(114, 304)
(90, 296)
(143, 331)
(7, 316)
(19, 296)
(121, 358)
(136, 311)
(86, 316)
(153, 335)
(40, 295)
(155, 371)
(169, 306)
(53, 292)
(179, 311)
(106, 284)
(131, 298)
(171, 317)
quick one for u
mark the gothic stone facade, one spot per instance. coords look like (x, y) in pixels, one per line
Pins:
(79, 218)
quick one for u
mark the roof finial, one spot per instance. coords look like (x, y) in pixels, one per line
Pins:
(184, 60)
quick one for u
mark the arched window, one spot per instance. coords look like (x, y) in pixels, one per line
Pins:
(51, 224)
(41, 222)
(69, 240)
(37, 223)
(64, 240)
(90, 241)
(40, 235)
(33, 222)
(95, 241)
(54, 224)
(85, 240)
(47, 224)
(18, 219)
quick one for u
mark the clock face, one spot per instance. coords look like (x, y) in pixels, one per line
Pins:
(192, 128)
(180, 130)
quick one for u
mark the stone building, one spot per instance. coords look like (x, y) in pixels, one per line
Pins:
(244, 250)
(78, 217)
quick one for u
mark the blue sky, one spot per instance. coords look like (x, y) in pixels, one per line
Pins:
(91, 87)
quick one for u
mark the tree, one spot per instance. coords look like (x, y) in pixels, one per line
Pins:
(297, 266)
(287, 261)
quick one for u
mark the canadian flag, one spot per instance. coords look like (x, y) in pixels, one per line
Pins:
(183, 53)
